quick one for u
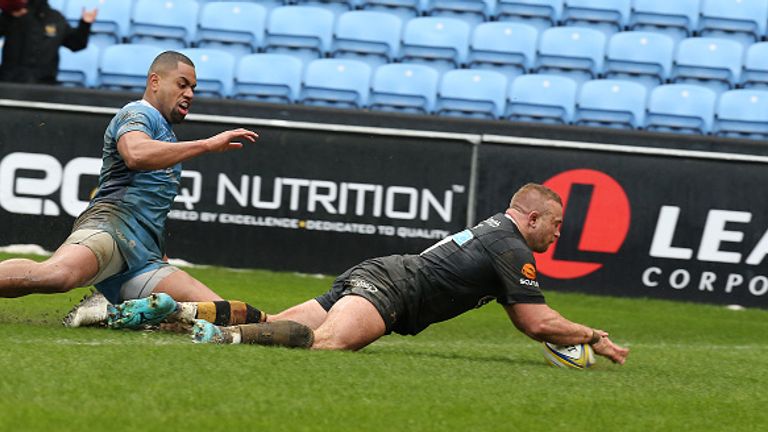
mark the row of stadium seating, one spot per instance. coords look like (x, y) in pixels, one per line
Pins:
(185, 23)
(515, 49)
(417, 88)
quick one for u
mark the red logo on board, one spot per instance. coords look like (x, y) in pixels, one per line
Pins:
(605, 226)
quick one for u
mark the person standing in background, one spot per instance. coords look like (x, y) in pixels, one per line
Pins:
(33, 33)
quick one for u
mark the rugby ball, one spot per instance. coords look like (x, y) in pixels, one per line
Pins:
(578, 356)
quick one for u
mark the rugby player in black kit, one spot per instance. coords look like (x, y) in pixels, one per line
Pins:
(406, 293)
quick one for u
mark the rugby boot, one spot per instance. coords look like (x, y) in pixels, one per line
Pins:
(141, 313)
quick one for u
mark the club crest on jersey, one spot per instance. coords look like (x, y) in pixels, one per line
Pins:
(529, 271)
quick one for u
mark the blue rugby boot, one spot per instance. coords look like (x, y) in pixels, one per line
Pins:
(205, 332)
(140, 313)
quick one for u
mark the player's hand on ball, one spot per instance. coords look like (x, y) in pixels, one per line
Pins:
(606, 348)
(230, 140)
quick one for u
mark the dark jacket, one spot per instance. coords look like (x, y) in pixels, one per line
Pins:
(32, 41)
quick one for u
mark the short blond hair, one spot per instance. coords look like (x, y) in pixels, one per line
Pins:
(532, 196)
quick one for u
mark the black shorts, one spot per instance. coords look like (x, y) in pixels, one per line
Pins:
(367, 281)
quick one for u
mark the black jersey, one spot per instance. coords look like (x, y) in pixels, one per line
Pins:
(462, 272)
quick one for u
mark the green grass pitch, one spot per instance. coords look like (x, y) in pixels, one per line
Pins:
(692, 367)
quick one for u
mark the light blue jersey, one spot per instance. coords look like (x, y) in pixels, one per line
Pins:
(133, 205)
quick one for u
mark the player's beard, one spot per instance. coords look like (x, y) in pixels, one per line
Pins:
(176, 115)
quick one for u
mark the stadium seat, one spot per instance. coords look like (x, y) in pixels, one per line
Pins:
(681, 108)
(268, 78)
(303, 31)
(472, 93)
(80, 68)
(575, 52)
(59, 5)
(215, 70)
(370, 36)
(640, 56)
(125, 66)
(608, 16)
(755, 71)
(711, 62)
(337, 7)
(506, 47)
(170, 24)
(472, 11)
(611, 103)
(336, 82)
(236, 27)
(112, 21)
(742, 114)
(439, 42)
(541, 14)
(404, 87)
(541, 98)
(741, 20)
(677, 19)
(405, 9)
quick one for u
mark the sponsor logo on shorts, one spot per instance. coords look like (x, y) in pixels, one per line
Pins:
(529, 271)
(364, 284)
(533, 283)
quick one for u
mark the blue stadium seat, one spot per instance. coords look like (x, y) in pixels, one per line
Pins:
(236, 27)
(755, 71)
(370, 36)
(742, 114)
(741, 20)
(575, 52)
(472, 93)
(170, 24)
(641, 56)
(541, 98)
(80, 68)
(59, 5)
(472, 11)
(439, 42)
(506, 47)
(681, 108)
(337, 83)
(541, 14)
(405, 9)
(611, 103)
(608, 16)
(404, 87)
(215, 70)
(125, 66)
(268, 78)
(303, 31)
(112, 21)
(711, 62)
(338, 7)
(677, 19)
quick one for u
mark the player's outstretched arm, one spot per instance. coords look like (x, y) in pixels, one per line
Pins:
(543, 323)
(141, 152)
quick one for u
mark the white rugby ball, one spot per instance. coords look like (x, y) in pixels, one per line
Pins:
(578, 356)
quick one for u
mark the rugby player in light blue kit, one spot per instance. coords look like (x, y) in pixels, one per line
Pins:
(117, 243)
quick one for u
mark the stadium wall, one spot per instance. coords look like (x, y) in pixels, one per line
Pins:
(677, 217)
